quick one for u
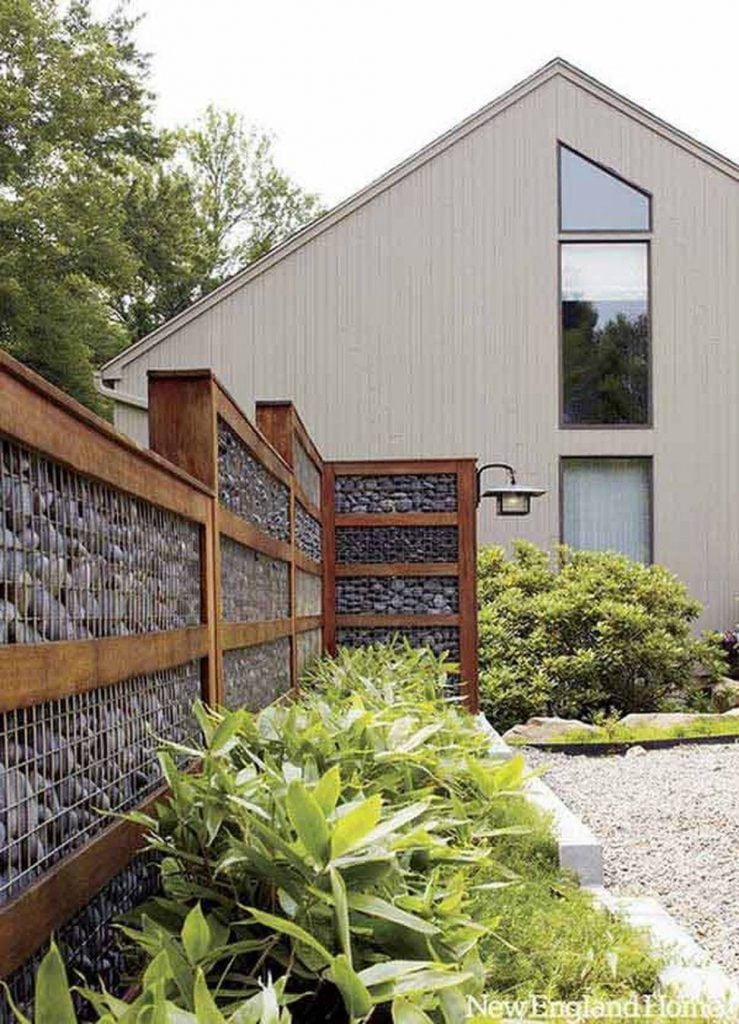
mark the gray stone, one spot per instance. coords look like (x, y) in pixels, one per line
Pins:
(725, 695)
(662, 719)
(544, 730)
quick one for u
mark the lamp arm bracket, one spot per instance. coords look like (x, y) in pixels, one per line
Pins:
(492, 465)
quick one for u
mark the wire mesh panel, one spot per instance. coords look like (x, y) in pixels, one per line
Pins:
(307, 473)
(307, 534)
(309, 648)
(89, 942)
(254, 586)
(248, 489)
(397, 595)
(79, 559)
(438, 640)
(68, 763)
(428, 492)
(396, 544)
(255, 676)
(308, 590)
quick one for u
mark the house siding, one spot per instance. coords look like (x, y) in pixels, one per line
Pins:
(426, 323)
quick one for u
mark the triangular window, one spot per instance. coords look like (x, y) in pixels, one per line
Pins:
(593, 199)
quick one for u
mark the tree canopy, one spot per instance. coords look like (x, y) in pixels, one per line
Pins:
(109, 225)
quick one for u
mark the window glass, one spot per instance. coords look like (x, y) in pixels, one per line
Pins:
(591, 199)
(605, 333)
(606, 505)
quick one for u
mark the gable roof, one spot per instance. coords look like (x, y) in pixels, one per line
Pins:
(557, 67)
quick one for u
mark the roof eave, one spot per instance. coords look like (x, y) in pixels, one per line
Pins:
(113, 369)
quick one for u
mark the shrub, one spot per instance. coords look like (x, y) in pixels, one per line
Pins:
(350, 857)
(595, 632)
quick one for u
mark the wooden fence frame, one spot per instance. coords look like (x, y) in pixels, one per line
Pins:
(36, 415)
(464, 518)
(184, 409)
(180, 474)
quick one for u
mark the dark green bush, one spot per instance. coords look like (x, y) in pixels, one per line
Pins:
(583, 633)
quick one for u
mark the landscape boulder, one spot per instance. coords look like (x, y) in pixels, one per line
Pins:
(663, 719)
(725, 694)
(544, 730)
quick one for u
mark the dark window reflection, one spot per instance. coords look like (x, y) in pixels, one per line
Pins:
(591, 199)
(605, 334)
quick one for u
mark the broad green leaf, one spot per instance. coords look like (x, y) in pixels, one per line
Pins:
(341, 909)
(374, 906)
(453, 1005)
(285, 927)
(349, 831)
(224, 738)
(52, 1000)
(420, 981)
(395, 822)
(206, 1010)
(309, 821)
(327, 789)
(356, 997)
(379, 974)
(420, 737)
(404, 1012)
(196, 936)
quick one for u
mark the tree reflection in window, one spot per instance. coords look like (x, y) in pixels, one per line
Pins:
(605, 334)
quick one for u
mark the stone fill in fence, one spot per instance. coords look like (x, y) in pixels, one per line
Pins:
(217, 565)
(401, 558)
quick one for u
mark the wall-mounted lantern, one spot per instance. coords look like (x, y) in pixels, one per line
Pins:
(511, 499)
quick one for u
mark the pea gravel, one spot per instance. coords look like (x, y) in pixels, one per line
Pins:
(669, 824)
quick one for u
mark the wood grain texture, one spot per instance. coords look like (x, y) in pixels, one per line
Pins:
(238, 529)
(395, 467)
(397, 569)
(397, 519)
(34, 414)
(232, 635)
(33, 673)
(257, 444)
(306, 564)
(28, 920)
(182, 423)
(329, 559)
(369, 621)
(468, 640)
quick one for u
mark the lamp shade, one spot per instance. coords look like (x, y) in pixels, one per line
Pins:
(513, 499)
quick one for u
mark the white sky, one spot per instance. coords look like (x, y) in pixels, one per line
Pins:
(350, 87)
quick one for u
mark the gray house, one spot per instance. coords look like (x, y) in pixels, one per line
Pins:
(553, 283)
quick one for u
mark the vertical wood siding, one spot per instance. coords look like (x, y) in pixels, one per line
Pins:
(425, 324)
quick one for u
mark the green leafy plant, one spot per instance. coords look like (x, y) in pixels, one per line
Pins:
(357, 855)
(592, 633)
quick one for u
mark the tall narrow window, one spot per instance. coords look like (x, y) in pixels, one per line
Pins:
(606, 505)
(605, 333)
(593, 199)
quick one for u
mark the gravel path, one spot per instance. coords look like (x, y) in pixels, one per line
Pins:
(669, 824)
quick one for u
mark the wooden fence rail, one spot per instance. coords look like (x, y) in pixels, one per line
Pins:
(133, 581)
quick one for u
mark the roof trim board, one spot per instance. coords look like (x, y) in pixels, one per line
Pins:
(112, 370)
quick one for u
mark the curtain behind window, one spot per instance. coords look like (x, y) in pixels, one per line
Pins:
(607, 505)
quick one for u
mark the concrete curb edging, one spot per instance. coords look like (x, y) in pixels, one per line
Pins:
(690, 973)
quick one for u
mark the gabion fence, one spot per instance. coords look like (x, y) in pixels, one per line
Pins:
(218, 565)
(402, 558)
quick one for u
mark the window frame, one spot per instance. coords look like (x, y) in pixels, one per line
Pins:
(614, 174)
(649, 459)
(591, 239)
